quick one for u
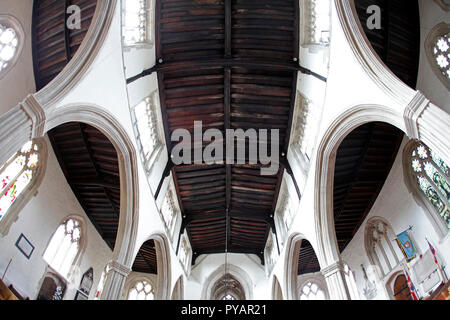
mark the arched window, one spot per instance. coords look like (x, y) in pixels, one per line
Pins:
(312, 291)
(137, 19)
(148, 135)
(64, 247)
(142, 290)
(315, 22)
(17, 176)
(101, 283)
(85, 285)
(270, 253)
(228, 288)
(11, 42)
(284, 214)
(437, 46)
(170, 211)
(432, 177)
(379, 248)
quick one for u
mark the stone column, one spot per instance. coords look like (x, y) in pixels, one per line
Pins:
(335, 277)
(19, 125)
(115, 281)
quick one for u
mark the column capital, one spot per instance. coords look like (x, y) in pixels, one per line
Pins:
(120, 268)
(333, 268)
(412, 113)
(36, 113)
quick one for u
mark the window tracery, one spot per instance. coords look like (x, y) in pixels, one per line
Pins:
(316, 23)
(432, 176)
(9, 43)
(169, 211)
(378, 242)
(437, 47)
(185, 252)
(312, 291)
(134, 22)
(64, 247)
(146, 128)
(17, 174)
(142, 290)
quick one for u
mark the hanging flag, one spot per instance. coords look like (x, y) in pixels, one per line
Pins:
(412, 289)
(406, 245)
(432, 251)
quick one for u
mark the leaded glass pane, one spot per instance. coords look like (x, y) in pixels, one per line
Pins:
(431, 194)
(441, 52)
(440, 163)
(8, 45)
(135, 22)
(438, 180)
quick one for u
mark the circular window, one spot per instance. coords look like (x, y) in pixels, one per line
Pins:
(8, 45)
(11, 42)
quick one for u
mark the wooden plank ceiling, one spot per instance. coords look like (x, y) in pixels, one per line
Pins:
(146, 260)
(398, 41)
(364, 160)
(229, 64)
(54, 44)
(89, 163)
(307, 259)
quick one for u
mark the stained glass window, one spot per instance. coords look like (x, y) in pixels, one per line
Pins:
(441, 53)
(135, 22)
(63, 248)
(8, 45)
(102, 282)
(16, 174)
(433, 179)
(142, 290)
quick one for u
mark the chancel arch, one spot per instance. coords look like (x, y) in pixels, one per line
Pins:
(215, 286)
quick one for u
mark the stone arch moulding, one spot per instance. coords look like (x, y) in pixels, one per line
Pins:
(78, 66)
(277, 291)
(367, 57)
(164, 266)
(236, 272)
(327, 249)
(30, 191)
(444, 6)
(14, 23)
(178, 290)
(101, 119)
(292, 252)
